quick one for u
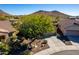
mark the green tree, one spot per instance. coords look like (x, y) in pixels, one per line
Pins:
(35, 25)
(56, 20)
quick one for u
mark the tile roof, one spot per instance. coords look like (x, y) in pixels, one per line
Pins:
(68, 24)
(73, 27)
(5, 26)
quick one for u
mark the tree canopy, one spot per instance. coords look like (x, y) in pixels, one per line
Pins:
(35, 25)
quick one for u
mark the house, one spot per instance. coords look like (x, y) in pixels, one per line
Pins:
(68, 29)
(6, 30)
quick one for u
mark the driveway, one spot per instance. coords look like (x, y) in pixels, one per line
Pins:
(69, 52)
(57, 45)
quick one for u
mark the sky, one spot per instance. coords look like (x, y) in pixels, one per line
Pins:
(24, 9)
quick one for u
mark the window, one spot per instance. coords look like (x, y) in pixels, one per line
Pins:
(2, 38)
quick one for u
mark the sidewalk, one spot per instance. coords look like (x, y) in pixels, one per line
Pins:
(56, 45)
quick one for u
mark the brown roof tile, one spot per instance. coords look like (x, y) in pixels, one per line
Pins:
(6, 25)
(63, 24)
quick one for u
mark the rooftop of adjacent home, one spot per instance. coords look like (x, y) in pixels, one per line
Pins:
(5, 26)
(69, 24)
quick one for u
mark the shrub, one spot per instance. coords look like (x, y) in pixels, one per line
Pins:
(4, 48)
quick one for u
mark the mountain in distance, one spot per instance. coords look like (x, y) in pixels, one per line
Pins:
(2, 13)
(52, 13)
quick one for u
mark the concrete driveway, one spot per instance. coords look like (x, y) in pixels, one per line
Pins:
(57, 45)
(69, 52)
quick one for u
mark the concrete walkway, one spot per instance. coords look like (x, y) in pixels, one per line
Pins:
(56, 45)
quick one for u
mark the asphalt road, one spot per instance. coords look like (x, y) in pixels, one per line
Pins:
(69, 52)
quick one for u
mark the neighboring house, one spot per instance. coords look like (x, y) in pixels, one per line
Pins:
(69, 29)
(6, 30)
